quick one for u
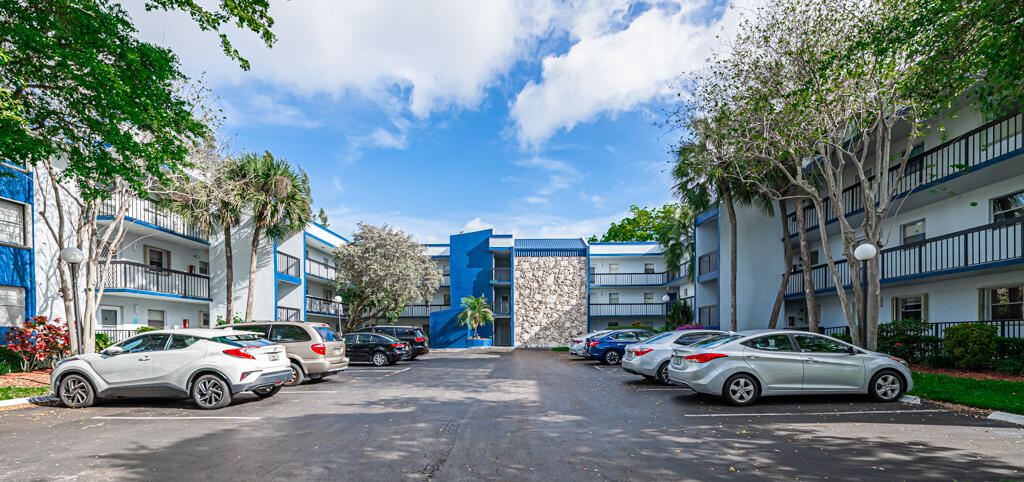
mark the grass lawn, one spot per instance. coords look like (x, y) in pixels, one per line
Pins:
(7, 393)
(1005, 396)
(559, 348)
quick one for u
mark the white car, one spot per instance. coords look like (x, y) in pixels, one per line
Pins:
(578, 344)
(650, 357)
(209, 366)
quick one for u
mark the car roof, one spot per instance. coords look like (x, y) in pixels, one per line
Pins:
(765, 331)
(200, 332)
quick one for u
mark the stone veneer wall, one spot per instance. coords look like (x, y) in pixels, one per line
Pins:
(550, 296)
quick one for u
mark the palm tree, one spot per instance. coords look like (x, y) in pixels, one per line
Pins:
(280, 201)
(476, 312)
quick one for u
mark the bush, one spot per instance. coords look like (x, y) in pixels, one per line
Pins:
(39, 343)
(9, 359)
(559, 348)
(907, 339)
(972, 345)
(843, 336)
(1009, 348)
(143, 329)
(1012, 366)
(102, 341)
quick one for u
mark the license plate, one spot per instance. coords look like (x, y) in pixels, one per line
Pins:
(274, 357)
(629, 355)
(337, 351)
(677, 360)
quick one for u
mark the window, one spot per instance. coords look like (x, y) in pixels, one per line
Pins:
(613, 267)
(12, 223)
(351, 339)
(242, 340)
(181, 341)
(1008, 207)
(820, 344)
(686, 292)
(626, 336)
(109, 316)
(913, 232)
(694, 338)
(288, 334)
(326, 333)
(405, 332)
(593, 271)
(157, 258)
(261, 329)
(12, 306)
(1006, 303)
(648, 268)
(204, 267)
(613, 298)
(204, 319)
(446, 299)
(155, 318)
(145, 343)
(648, 297)
(771, 343)
(910, 307)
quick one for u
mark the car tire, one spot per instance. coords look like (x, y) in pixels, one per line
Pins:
(268, 391)
(611, 357)
(317, 378)
(210, 392)
(741, 390)
(886, 386)
(76, 392)
(379, 359)
(663, 374)
(298, 376)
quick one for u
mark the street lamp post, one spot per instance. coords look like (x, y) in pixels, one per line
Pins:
(73, 257)
(864, 253)
(337, 300)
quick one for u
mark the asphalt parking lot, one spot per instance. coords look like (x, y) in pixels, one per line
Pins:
(518, 415)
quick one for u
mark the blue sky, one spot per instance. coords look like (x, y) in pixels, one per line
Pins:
(537, 119)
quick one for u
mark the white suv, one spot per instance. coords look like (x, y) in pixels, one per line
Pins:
(208, 366)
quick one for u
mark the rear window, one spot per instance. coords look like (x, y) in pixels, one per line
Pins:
(254, 328)
(326, 333)
(388, 337)
(288, 334)
(659, 337)
(715, 341)
(420, 333)
(405, 332)
(241, 340)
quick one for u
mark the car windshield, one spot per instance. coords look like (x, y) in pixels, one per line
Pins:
(658, 337)
(242, 340)
(326, 333)
(715, 341)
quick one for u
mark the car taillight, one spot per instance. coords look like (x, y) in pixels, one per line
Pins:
(419, 338)
(594, 343)
(397, 345)
(319, 349)
(239, 353)
(642, 351)
(705, 357)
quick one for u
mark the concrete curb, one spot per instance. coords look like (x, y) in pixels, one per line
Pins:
(28, 400)
(1007, 417)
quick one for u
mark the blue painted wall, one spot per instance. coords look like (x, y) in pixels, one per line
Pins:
(471, 263)
(16, 263)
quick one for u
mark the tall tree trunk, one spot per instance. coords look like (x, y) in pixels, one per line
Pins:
(787, 248)
(252, 270)
(874, 301)
(229, 275)
(731, 208)
(805, 263)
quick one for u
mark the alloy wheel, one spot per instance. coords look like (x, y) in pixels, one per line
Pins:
(612, 357)
(74, 391)
(209, 392)
(379, 359)
(887, 386)
(741, 390)
(663, 373)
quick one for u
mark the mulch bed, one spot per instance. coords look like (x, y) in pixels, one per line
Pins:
(967, 374)
(38, 378)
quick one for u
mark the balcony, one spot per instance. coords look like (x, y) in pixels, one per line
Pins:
(991, 141)
(446, 280)
(501, 308)
(421, 311)
(630, 279)
(986, 246)
(320, 270)
(501, 275)
(288, 265)
(707, 266)
(145, 212)
(320, 306)
(137, 277)
(288, 314)
(627, 309)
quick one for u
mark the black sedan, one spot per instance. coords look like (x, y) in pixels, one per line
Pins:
(375, 348)
(411, 335)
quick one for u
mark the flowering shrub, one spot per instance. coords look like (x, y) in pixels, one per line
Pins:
(39, 343)
(691, 327)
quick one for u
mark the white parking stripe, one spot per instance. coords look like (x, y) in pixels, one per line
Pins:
(174, 418)
(308, 391)
(399, 371)
(796, 414)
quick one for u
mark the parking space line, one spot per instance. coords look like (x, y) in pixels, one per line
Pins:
(102, 417)
(780, 414)
(309, 391)
(398, 371)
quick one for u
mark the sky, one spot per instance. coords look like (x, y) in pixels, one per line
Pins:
(538, 119)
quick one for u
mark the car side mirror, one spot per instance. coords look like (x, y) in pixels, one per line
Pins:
(113, 350)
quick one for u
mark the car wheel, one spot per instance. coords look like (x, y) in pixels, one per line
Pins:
(741, 389)
(663, 374)
(379, 359)
(611, 357)
(76, 392)
(317, 378)
(211, 392)
(267, 392)
(297, 376)
(413, 357)
(886, 386)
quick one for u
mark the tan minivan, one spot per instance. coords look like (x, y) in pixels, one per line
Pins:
(314, 349)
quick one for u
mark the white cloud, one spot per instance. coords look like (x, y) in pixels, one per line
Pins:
(560, 175)
(535, 199)
(475, 224)
(612, 70)
(264, 109)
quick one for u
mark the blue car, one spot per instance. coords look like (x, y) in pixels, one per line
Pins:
(609, 347)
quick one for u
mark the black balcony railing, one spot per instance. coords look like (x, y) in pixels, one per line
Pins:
(320, 270)
(630, 279)
(501, 274)
(991, 244)
(137, 276)
(421, 311)
(945, 161)
(707, 263)
(321, 306)
(501, 308)
(288, 264)
(707, 316)
(627, 309)
(288, 314)
(146, 211)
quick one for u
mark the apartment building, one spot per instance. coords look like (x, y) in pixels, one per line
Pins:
(17, 253)
(953, 250)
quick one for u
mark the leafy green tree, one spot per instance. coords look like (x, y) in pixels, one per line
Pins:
(279, 198)
(321, 218)
(643, 225)
(476, 312)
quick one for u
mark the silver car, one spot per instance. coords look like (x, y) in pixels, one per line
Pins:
(578, 343)
(650, 357)
(743, 366)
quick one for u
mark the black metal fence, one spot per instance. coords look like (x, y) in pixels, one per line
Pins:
(707, 263)
(322, 306)
(501, 274)
(627, 309)
(288, 264)
(146, 211)
(1005, 328)
(708, 316)
(137, 276)
(288, 314)
(421, 311)
(318, 269)
(501, 308)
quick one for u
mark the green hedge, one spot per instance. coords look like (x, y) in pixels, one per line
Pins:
(559, 348)
(971, 345)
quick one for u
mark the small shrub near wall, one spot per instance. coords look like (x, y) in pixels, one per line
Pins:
(906, 339)
(972, 346)
(39, 343)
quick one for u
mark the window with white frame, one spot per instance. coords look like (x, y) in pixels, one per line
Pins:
(613, 298)
(155, 318)
(12, 306)
(648, 268)
(913, 232)
(12, 223)
(1008, 207)
(157, 258)
(110, 316)
(613, 267)
(648, 297)
(1006, 303)
(910, 307)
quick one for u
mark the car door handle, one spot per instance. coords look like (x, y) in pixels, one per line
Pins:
(145, 358)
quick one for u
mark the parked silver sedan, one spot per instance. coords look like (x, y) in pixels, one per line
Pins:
(743, 366)
(650, 357)
(578, 343)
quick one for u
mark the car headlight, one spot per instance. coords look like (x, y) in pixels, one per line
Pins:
(65, 361)
(900, 360)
